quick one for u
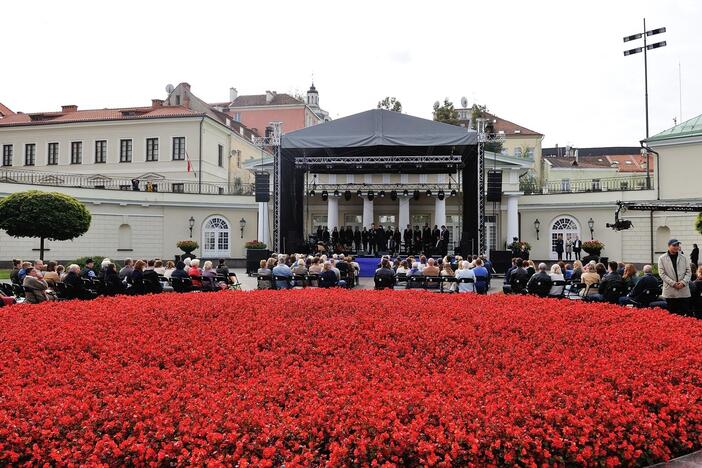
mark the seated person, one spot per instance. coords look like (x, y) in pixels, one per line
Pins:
(519, 277)
(282, 270)
(51, 277)
(299, 269)
(540, 283)
(209, 274)
(328, 278)
(16, 267)
(170, 268)
(113, 285)
(645, 291)
(431, 270)
(195, 273)
(179, 271)
(556, 275)
(75, 289)
(589, 278)
(263, 270)
(611, 286)
(482, 276)
(87, 271)
(152, 283)
(465, 272)
(223, 270)
(386, 273)
(630, 276)
(34, 286)
(447, 271)
(137, 278)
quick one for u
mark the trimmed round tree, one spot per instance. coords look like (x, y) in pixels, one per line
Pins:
(46, 215)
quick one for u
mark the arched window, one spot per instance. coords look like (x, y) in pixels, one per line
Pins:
(215, 237)
(565, 226)
(125, 237)
(662, 236)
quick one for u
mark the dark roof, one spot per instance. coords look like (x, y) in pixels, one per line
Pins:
(584, 162)
(260, 100)
(386, 132)
(600, 151)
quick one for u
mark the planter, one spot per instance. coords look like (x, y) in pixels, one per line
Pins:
(253, 259)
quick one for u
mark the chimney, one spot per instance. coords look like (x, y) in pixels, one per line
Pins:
(576, 157)
(69, 108)
(233, 94)
(155, 103)
(269, 96)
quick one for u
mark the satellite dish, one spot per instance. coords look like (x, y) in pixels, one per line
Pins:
(464, 102)
(169, 88)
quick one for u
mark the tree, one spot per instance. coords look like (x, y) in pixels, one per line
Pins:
(446, 113)
(391, 104)
(46, 215)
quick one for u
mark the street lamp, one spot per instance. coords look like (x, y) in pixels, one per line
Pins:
(537, 225)
(242, 225)
(191, 223)
(645, 49)
(591, 225)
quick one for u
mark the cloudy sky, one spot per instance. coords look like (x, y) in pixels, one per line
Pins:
(553, 66)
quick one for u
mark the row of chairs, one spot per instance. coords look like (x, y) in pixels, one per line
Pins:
(435, 283)
(309, 280)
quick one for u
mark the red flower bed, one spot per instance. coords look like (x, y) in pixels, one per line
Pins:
(346, 377)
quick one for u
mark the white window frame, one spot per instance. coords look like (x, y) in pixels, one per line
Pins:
(217, 234)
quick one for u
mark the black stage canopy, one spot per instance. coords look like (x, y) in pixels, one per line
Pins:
(377, 140)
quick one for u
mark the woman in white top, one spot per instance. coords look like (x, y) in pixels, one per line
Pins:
(170, 268)
(402, 269)
(447, 271)
(556, 275)
(465, 272)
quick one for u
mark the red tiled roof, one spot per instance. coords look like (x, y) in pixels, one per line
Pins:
(509, 128)
(623, 163)
(260, 100)
(5, 111)
(128, 113)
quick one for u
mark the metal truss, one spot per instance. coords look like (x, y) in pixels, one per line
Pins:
(376, 160)
(481, 193)
(680, 207)
(399, 188)
(491, 137)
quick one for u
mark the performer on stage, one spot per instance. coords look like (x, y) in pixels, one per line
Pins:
(426, 239)
(364, 239)
(325, 236)
(357, 239)
(397, 237)
(372, 240)
(407, 238)
(416, 240)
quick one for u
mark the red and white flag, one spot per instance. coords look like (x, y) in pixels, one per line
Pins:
(189, 166)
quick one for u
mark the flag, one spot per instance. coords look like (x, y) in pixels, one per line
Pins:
(189, 166)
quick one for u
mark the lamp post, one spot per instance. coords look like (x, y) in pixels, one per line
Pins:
(646, 47)
(591, 225)
(191, 224)
(537, 226)
(242, 225)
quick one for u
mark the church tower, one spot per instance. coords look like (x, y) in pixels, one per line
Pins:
(313, 97)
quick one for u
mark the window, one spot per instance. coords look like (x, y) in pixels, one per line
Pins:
(420, 220)
(30, 153)
(237, 116)
(220, 155)
(178, 148)
(178, 188)
(76, 152)
(100, 151)
(177, 100)
(596, 187)
(152, 149)
(565, 226)
(215, 237)
(530, 152)
(517, 152)
(125, 151)
(7, 155)
(353, 220)
(125, 187)
(565, 185)
(238, 159)
(386, 219)
(52, 154)
(318, 220)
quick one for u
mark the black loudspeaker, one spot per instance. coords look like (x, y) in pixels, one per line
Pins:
(494, 186)
(262, 187)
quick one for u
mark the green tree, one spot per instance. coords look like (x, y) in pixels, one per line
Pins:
(391, 104)
(46, 215)
(698, 223)
(446, 113)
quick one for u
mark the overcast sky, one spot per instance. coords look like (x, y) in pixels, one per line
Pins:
(553, 66)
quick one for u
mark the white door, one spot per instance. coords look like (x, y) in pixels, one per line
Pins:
(215, 238)
(565, 226)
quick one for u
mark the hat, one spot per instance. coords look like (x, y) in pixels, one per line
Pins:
(673, 242)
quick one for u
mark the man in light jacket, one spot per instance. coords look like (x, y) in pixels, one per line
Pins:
(674, 270)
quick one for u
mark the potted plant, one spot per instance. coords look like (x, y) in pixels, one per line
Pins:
(255, 252)
(187, 246)
(593, 247)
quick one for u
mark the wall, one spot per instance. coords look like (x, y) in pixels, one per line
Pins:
(680, 166)
(293, 118)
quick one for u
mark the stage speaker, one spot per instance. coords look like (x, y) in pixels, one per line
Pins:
(262, 187)
(494, 186)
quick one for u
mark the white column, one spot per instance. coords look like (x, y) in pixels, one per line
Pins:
(262, 234)
(367, 212)
(440, 212)
(332, 213)
(512, 217)
(404, 218)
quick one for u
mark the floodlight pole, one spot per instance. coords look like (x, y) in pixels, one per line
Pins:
(646, 85)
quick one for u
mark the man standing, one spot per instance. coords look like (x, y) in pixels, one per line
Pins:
(397, 237)
(577, 247)
(416, 240)
(435, 234)
(380, 240)
(407, 238)
(357, 239)
(443, 241)
(372, 245)
(364, 239)
(558, 246)
(674, 270)
(426, 239)
(325, 236)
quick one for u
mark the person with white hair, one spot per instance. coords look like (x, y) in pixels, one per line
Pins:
(282, 270)
(187, 261)
(556, 275)
(540, 283)
(465, 272)
(645, 290)
(195, 273)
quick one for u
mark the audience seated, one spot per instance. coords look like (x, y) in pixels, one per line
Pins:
(282, 270)
(384, 276)
(556, 275)
(645, 291)
(611, 286)
(630, 276)
(152, 283)
(519, 277)
(589, 279)
(465, 272)
(194, 272)
(540, 283)
(447, 271)
(137, 277)
(75, 288)
(170, 268)
(51, 276)
(126, 272)
(34, 286)
(328, 278)
(208, 277)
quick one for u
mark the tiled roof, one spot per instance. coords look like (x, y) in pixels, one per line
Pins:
(583, 162)
(598, 151)
(260, 100)
(5, 111)
(692, 127)
(509, 128)
(128, 113)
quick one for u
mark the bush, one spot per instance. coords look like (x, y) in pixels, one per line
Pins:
(187, 245)
(593, 246)
(255, 244)
(519, 245)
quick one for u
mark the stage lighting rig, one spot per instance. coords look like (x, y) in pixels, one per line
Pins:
(620, 224)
